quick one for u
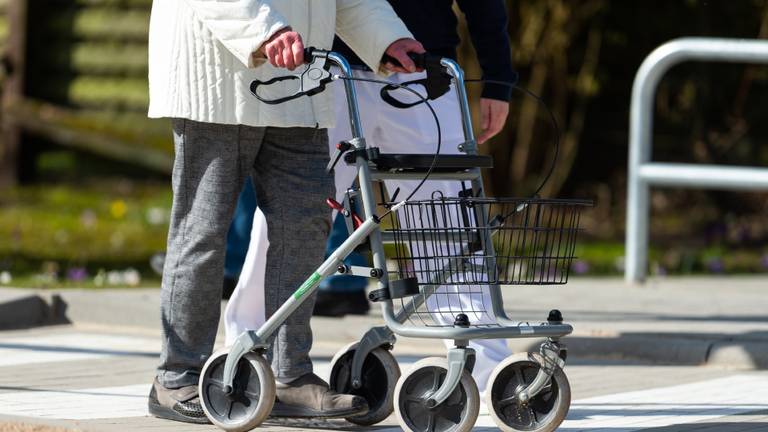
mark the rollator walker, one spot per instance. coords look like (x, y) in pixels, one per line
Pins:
(443, 251)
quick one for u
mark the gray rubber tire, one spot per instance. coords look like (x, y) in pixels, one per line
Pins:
(546, 411)
(464, 401)
(254, 398)
(385, 374)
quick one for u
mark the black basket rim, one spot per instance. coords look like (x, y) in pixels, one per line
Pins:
(504, 200)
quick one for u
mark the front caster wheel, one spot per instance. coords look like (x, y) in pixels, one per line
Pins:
(542, 413)
(457, 414)
(379, 377)
(252, 396)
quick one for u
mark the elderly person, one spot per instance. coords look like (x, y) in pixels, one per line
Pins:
(203, 54)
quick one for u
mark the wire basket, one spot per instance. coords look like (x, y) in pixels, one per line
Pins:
(456, 248)
(469, 241)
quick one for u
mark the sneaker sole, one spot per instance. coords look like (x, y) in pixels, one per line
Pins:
(159, 411)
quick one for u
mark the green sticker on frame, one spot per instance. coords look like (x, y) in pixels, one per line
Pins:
(315, 278)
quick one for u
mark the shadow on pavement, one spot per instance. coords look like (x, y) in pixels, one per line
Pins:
(63, 349)
(74, 392)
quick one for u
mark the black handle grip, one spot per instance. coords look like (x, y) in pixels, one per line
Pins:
(419, 59)
(309, 54)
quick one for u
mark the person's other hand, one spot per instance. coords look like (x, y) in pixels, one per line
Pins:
(493, 113)
(399, 49)
(284, 49)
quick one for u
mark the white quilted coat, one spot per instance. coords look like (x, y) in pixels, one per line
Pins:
(201, 55)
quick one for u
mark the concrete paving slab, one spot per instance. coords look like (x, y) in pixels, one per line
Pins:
(107, 391)
(690, 321)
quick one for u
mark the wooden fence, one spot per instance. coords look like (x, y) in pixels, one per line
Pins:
(77, 75)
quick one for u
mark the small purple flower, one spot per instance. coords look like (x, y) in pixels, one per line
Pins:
(715, 265)
(580, 267)
(745, 235)
(77, 274)
(764, 261)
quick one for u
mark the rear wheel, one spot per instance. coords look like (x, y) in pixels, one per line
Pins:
(379, 377)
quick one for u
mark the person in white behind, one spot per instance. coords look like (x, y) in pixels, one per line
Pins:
(413, 130)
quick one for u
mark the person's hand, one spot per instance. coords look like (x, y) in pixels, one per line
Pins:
(284, 49)
(493, 114)
(399, 49)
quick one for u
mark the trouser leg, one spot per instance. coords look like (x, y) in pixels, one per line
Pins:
(292, 186)
(210, 166)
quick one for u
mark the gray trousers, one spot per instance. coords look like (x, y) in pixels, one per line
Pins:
(212, 162)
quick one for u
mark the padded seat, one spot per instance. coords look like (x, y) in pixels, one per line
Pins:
(421, 162)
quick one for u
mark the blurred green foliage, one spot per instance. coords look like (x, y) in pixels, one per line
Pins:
(581, 57)
(87, 73)
(103, 225)
(89, 58)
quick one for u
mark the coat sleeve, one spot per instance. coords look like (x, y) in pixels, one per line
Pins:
(242, 26)
(487, 22)
(368, 27)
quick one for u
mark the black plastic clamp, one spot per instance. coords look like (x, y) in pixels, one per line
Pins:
(555, 317)
(397, 289)
(368, 153)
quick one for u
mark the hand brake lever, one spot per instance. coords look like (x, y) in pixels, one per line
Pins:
(312, 80)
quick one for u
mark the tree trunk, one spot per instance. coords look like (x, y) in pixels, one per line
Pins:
(13, 90)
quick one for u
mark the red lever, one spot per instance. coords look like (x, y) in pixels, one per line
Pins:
(332, 203)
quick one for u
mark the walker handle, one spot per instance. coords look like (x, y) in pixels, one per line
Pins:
(312, 80)
(419, 59)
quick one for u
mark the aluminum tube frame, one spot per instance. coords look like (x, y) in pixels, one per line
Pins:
(396, 321)
(704, 176)
(363, 170)
(512, 329)
(470, 147)
(251, 340)
(640, 175)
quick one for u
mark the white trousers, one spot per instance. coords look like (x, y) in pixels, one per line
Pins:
(393, 130)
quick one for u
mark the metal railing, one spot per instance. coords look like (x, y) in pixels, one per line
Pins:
(644, 173)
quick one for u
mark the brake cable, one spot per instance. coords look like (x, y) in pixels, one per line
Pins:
(314, 78)
(436, 85)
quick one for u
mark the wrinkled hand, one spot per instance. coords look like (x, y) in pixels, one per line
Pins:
(493, 114)
(284, 49)
(399, 49)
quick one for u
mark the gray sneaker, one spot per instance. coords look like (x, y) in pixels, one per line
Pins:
(309, 396)
(182, 404)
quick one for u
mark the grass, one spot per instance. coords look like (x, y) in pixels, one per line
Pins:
(79, 234)
(607, 258)
(49, 232)
(39, 281)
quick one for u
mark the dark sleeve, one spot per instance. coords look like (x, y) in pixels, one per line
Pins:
(487, 21)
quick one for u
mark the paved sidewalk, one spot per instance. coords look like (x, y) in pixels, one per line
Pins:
(635, 356)
(97, 379)
(683, 321)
